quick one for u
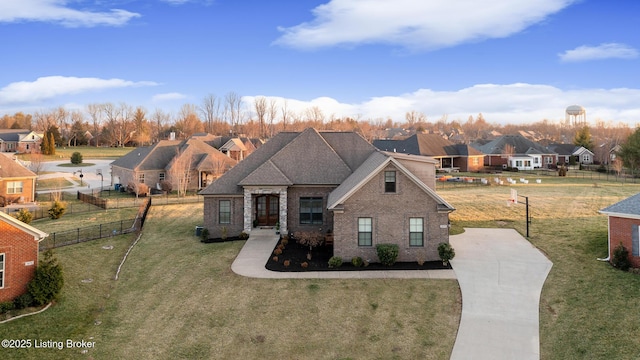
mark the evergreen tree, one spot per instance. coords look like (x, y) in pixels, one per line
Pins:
(630, 151)
(583, 138)
(44, 145)
(52, 144)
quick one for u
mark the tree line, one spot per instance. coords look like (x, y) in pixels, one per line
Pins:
(109, 124)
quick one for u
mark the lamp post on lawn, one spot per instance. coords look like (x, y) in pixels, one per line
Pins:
(99, 172)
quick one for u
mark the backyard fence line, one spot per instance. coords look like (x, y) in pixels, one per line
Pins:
(95, 232)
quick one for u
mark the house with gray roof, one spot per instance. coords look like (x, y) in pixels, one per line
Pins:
(20, 140)
(450, 156)
(566, 152)
(624, 227)
(516, 151)
(326, 181)
(17, 183)
(190, 164)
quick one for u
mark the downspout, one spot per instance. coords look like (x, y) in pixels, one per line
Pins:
(608, 240)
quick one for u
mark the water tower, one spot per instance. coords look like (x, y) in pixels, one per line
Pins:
(576, 115)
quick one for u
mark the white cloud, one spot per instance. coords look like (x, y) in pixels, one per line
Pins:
(52, 86)
(512, 103)
(602, 51)
(416, 24)
(168, 97)
(57, 11)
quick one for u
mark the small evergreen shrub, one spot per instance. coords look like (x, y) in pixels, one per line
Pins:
(243, 236)
(204, 235)
(23, 301)
(335, 262)
(48, 280)
(24, 215)
(387, 253)
(446, 252)
(621, 258)
(6, 306)
(76, 158)
(57, 210)
(357, 261)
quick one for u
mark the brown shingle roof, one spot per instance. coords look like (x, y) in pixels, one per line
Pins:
(11, 169)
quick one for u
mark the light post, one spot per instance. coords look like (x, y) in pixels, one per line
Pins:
(514, 199)
(99, 172)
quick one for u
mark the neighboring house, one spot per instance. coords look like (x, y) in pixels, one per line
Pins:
(17, 183)
(450, 156)
(18, 256)
(338, 182)
(580, 154)
(191, 160)
(516, 151)
(19, 140)
(624, 225)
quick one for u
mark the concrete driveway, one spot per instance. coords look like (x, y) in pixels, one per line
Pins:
(501, 276)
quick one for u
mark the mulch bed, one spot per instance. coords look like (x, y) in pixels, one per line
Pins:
(297, 254)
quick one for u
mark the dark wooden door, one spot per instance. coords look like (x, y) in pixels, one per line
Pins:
(267, 210)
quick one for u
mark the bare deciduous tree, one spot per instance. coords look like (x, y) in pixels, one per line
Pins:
(210, 111)
(180, 170)
(188, 122)
(260, 107)
(159, 119)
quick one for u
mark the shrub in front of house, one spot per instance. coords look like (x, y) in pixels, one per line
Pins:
(204, 235)
(387, 253)
(357, 261)
(243, 236)
(621, 258)
(23, 301)
(76, 158)
(335, 262)
(6, 306)
(48, 280)
(446, 252)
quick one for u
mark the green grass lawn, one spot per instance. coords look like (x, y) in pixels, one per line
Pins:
(52, 183)
(178, 298)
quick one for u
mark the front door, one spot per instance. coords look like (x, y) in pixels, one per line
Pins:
(267, 209)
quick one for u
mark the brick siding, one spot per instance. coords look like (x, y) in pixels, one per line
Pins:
(19, 248)
(620, 232)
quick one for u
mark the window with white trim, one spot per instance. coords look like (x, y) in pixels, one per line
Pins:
(416, 232)
(141, 178)
(2, 256)
(14, 187)
(365, 231)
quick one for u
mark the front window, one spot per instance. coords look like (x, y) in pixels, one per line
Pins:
(224, 212)
(141, 178)
(364, 231)
(1, 271)
(390, 181)
(161, 177)
(14, 187)
(311, 210)
(416, 232)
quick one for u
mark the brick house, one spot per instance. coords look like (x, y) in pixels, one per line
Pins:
(165, 160)
(450, 156)
(623, 227)
(333, 181)
(516, 151)
(18, 256)
(20, 140)
(17, 183)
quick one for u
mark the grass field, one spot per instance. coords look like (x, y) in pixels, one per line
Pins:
(88, 152)
(177, 297)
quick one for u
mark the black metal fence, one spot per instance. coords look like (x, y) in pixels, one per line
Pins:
(94, 232)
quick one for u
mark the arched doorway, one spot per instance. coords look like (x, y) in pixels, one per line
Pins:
(267, 209)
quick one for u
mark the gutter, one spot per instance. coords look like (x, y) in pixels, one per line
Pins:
(608, 241)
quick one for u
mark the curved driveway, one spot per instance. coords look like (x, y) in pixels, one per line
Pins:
(501, 276)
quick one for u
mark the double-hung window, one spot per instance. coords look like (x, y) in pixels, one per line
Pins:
(14, 187)
(364, 231)
(311, 210)
(224, 212)
(389, 181)
(416, 232)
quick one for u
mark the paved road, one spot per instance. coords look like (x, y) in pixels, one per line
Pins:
(501, 276)
(90, 179)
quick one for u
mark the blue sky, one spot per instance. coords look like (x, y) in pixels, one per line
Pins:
(512, 61)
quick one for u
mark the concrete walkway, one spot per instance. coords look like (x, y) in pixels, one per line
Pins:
(501, 276)
(256, 252)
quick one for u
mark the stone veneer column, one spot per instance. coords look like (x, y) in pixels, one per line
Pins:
(283, 211)
(248, 206)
